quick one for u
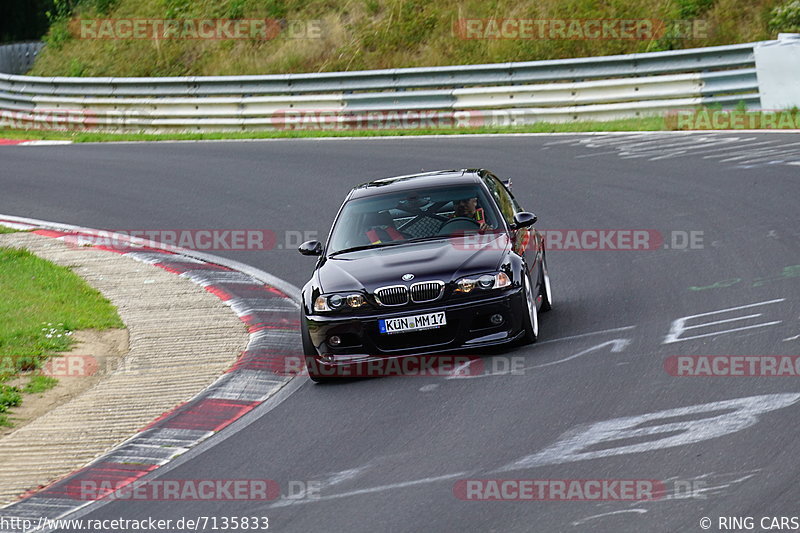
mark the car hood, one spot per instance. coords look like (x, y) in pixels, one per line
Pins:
(444, 260)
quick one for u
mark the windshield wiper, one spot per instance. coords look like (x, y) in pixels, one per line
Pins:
(365, 247)
(392, 243)
(429, 238)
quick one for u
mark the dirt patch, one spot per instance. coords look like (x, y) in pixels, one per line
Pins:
(95, 355)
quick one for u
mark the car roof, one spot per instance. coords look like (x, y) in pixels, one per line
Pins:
(415, 181)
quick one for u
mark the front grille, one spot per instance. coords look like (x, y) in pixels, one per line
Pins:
(426, 291)
(395, 295)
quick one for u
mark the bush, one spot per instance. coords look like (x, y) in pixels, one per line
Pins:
(786, 18)
(9, 397)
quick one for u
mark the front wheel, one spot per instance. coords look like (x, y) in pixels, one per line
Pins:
(530, 313)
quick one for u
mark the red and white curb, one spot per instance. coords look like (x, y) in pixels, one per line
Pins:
(267, 305)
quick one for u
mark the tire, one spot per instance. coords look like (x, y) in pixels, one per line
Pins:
(310, 352)
(529, 313)
(546, 292)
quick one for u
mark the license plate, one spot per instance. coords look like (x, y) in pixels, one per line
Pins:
(412, 323)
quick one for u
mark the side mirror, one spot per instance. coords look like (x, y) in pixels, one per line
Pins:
(523, 219)
(508, 183)
(310, 248)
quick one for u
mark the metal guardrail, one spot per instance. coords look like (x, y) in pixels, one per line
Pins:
(597, 88)
(18, 58)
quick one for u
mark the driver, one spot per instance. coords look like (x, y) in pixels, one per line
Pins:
(468, 208)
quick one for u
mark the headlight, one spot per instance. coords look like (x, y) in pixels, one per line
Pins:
(485, 282)
(334, 302)
(355, 300)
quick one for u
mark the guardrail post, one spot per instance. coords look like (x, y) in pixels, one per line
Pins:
(778, 70)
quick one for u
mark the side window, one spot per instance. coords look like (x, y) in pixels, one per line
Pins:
(508, 206)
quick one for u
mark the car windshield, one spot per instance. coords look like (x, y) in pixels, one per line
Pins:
(398, 218)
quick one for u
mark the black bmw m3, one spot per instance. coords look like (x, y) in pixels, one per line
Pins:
(422, 264)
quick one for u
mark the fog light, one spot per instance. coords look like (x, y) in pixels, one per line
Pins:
(334, 340)
(496, 319)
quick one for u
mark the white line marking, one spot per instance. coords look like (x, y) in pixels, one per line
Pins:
(659, 144)
(765, 324)
(706, 147)
(748, 146)
(678, 326)
(602, 515)
(704, 324)
(724, 144)
(663, 429)
(595, 154)
(766, 150)
(44, 143)
(784, 156)
(14, 225)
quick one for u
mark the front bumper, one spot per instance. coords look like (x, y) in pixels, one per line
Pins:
(468, 326)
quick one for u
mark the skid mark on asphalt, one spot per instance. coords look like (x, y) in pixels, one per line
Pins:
(701, 488)
(581, 335)
(694, 488)
(331, 480)
(738, 151)
(373, 490)
(704, 486)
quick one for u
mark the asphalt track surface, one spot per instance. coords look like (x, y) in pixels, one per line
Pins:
(388, 452)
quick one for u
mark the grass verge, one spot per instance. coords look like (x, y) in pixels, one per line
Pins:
(655, 123)
(638, 124)
(42, 304)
